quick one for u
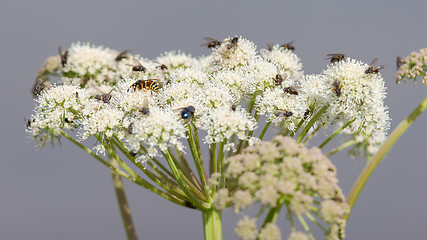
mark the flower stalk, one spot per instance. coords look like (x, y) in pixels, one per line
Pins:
(212, 224)
(388, 144)
(124, 208)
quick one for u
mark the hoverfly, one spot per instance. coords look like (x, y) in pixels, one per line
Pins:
(122, 55)
(187, 112)
(63, 56)
(232, 43)
(336, 86)
(278, 79)
(293, 90)
(288, 46)
(137, 67)
(163, 67)
(335, 57)
(148, 84)
(283, 113)
(371, 69)
(40, 85)
(106, 97)
(210, 42)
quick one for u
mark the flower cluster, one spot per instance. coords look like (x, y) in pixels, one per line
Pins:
(153, 111)
(359, 97)
(285, 172)
(413, 66)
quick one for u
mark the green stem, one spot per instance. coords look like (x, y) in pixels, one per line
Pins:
(373, 163)
(291, 216)
(179, 178)
(297, 128)
(311, 123)
(197, 160)
(336, 133)
(312, 133)
(313, 219)
(184, 167)
(164, 182)
(212, 224)
(273, 214)
(141, 182)
(123, 203)
(305, 226)
(221, 164)
(341, 147)
(214, 159)
(264, 130)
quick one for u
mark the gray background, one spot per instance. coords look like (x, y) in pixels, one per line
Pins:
(61, 193)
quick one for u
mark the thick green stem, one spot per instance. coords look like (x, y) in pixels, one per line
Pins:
(123, 203)
(373, 163)
(212, 224)
(335, 133)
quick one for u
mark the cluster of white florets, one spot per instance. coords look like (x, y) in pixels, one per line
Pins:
(287, 172)
(361, 98)
(213, 85)
(222, 123)
(413, 67)
(89, 65)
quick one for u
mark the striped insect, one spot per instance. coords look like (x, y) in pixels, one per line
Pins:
(137, 67)
(336, 86)
(279, 78)
(283, 113)
(288, 46)
(210, 42)
(148, 84)
(232, 43)
(120, 56)
(293, 90)
(106, 97)
(371, 69)
(335, 57)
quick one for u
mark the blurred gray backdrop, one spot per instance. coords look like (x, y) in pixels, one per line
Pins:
(61, 193)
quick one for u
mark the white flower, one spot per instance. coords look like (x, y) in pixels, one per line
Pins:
(281, 106)
(104, 121)
(161, 128)
(222, 123)
(288, 60)
(361, 97)
(177, 59)
(233, 53)
(93, 65)
(260, 75)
